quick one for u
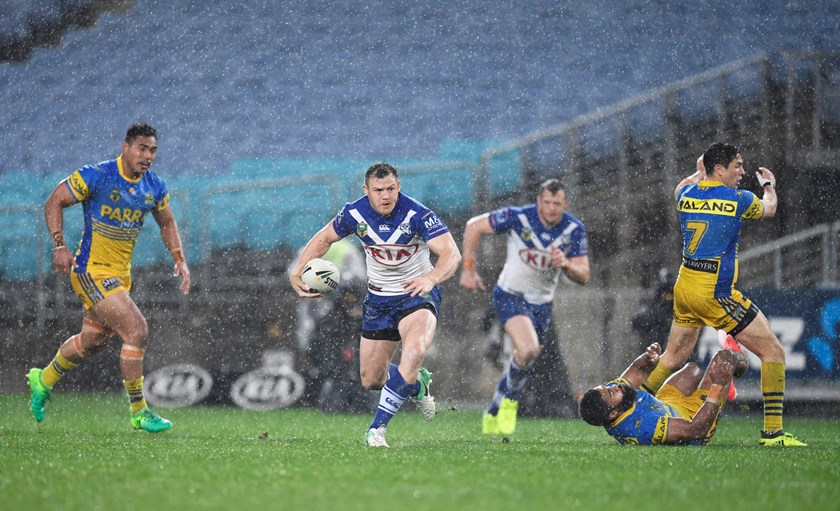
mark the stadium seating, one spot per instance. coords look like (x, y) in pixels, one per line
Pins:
(244, 93)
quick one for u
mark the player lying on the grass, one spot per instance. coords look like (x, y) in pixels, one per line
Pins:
(684, 411)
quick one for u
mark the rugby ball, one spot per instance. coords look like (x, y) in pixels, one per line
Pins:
(321, 276)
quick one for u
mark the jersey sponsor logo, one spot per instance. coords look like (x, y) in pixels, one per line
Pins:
(111, 283)
(77, 184)
(704, 265)
(384, 228)
(121, 214)
(710, 206)
(432, 221)
(754, 211)
(177, 385)
(536, 259)
(268, 388)
(361, 229)
(391, 255)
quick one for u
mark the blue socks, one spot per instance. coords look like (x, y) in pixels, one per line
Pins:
(510, 385)
(393, 395)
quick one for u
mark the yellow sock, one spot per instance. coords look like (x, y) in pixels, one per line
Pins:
(656, 379)
(56, 369)
(135, 394)
(773, 389)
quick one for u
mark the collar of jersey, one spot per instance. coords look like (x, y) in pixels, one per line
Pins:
(624, 415)
(709, 183)
(122, 172)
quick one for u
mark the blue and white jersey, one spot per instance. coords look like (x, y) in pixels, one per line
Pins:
(527, 271)
(395, 245)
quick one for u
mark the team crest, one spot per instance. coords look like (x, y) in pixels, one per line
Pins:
(115, 195)
(150, 199)
(526, 233)
(361, 229)
(405, 228)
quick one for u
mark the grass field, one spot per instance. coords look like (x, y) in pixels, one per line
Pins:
(86, 456)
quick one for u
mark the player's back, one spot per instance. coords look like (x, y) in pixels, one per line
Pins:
(711, 217)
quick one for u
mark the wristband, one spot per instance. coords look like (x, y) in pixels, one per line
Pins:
(469, 263)
(58, 247)
(714, 392)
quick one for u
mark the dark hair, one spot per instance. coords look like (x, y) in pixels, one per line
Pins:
(379, 171)
(593, 409)
(719, 154)
(139, 130)
(553, 186)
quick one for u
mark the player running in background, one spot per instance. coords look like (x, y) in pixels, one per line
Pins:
(544, 240)
(684, 411)
(404, 291)
(712, 210)
(116, 196)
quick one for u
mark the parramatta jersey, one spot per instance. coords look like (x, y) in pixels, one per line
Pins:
(527, 271)
(114, 210)
(711, 216)
(395, 245)
(645, 423)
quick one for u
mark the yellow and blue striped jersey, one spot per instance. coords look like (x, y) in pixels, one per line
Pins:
(114, 210)
(644, 423)
(711, 216)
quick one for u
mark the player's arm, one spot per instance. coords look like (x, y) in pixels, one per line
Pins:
(644, 364)
(768, 183)
(681, 431)
(476, 227)
(316, 247)
(576, 268)
(60, 198)
(695, 178)
(448, 259)
(171, 236)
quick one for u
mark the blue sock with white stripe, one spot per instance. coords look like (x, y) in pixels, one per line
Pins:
(393, 395)
(510, 386)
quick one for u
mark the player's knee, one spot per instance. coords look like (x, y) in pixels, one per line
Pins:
(138, 333)
(373, 380)
(530, 354)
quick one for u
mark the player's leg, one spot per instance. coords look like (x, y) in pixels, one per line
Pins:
(121, 314)
(526, 348)
(418, 333)
(375, 370)
(687, 379)
(681, 342)
(72, 352)
(760, 339)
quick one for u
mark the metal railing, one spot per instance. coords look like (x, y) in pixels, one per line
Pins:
(827, 233)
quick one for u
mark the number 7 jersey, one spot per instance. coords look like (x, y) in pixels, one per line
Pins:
(711, 217)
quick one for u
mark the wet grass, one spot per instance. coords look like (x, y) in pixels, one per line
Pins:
(85, 456)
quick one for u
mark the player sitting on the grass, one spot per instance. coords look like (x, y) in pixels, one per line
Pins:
(684, 411)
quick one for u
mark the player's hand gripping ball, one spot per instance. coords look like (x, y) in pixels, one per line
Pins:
(321, 276)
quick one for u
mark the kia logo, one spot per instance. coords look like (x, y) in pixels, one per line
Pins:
(267, 388)
(177, 385)
(535, 258)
